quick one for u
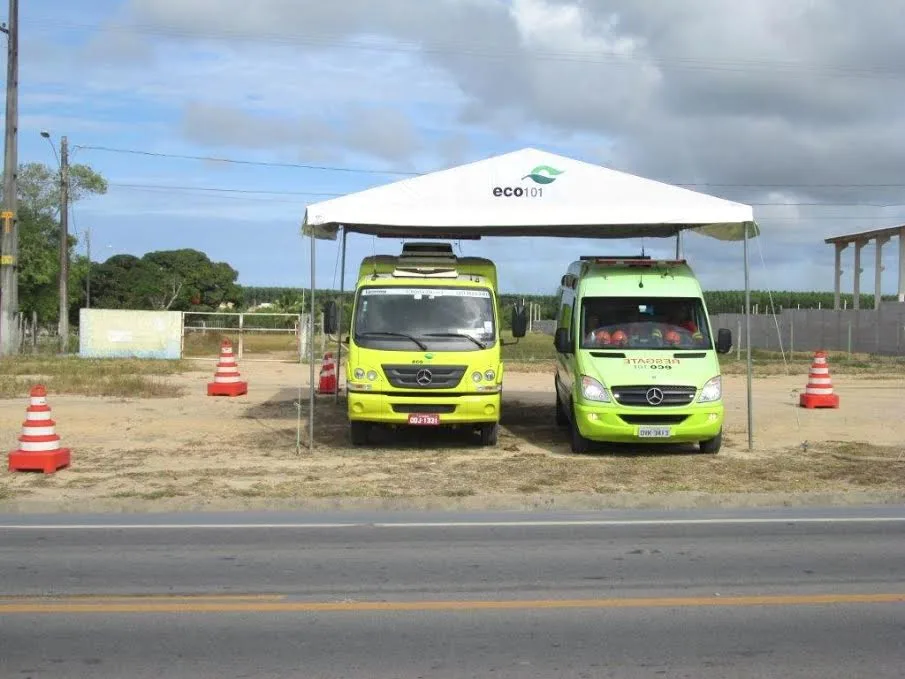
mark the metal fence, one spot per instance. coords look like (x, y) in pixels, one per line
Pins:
(255, 336)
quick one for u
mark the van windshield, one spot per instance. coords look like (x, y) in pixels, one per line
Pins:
(644, 323)
(412, 319)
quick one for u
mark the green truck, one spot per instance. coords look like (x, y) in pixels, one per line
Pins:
(636, 356)
(425, 343)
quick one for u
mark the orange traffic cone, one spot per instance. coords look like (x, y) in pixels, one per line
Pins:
(227, 380)
(327, 382)
(39, 445)
(819, 391)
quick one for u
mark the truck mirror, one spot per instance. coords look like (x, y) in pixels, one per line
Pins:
(331, 321)
(561, 341)
(723, 341)
(519, 321)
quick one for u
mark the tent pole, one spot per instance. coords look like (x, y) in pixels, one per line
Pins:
(339, 330)
(311, 387)
(748, 345)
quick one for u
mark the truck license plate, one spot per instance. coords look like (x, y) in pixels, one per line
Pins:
(424, 419)
(654, 432)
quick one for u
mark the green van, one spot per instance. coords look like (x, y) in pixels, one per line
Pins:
(636, 357)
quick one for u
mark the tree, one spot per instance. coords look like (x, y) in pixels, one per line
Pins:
(39, 235)
(175, 280)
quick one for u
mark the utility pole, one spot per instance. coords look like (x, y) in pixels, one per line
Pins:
(88, 277)
(9, 235)
(64, 245)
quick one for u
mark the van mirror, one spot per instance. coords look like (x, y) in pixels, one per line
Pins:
(562, 342)
(331, 321)
(519, 321)
(723, 341)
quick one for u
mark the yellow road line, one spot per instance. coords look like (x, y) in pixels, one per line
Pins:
(63, 606)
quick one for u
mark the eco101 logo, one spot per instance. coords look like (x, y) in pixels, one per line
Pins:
(541, 175)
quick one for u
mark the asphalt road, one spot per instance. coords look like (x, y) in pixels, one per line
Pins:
(784, 593)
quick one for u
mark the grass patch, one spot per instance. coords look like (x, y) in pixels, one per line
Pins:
(120, 378)
(207, 344)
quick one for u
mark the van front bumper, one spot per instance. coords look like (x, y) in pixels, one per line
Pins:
(622, 425)
(451, 409)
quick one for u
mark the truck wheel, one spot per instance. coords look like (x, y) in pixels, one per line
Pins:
(490, 434)
(578, 443)
(712, 446)
(561, 418)
(359, 432)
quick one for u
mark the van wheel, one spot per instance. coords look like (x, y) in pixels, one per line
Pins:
(360, 433)
(577, 442)
(490, 434)
(712, 446)
(561, 418)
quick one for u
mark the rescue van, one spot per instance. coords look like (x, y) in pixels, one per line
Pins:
(425, 343)
(636, 357)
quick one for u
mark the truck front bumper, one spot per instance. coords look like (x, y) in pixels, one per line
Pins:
(623, 425)
(451, 409)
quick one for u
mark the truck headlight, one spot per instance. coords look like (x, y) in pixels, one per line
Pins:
(592, 390)
(489, 375)
(359, 374)
(476, 377)
(372, 375)
(712, 390)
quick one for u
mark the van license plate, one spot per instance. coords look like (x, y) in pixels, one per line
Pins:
(424, 420)
(654, 432)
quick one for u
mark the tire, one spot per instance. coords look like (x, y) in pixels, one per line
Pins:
(577, 442)
(489, 434)
(711, 446)
(359, 432)
(562, 419)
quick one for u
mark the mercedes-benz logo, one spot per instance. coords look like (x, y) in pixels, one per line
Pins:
(424, 377)
(654, 396)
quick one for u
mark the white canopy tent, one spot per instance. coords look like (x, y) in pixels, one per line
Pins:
(529, 193)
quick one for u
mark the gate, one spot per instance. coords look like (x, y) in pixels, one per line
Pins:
(270, 337)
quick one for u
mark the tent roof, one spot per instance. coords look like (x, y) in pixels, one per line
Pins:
(529, 193)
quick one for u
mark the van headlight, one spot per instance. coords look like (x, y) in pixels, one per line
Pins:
(712, 390)
(593, 390)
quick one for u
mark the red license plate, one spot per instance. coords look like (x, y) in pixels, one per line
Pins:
(424, 420)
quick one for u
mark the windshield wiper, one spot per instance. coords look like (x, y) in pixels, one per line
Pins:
(420, 344)
(457, 334)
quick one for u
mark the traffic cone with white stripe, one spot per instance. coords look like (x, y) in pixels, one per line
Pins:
(227, 380)
(327, 382)
(39, 446)
(819, 391)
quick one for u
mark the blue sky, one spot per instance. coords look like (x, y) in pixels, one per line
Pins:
(414, 91)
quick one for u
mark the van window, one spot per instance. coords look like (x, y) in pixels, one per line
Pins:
(644, 323)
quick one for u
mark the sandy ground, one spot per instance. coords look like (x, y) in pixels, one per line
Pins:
(199, 452)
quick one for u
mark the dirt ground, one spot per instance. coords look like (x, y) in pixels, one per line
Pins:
(197, 452)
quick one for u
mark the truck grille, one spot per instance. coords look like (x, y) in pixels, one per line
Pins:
(424, 377)
(638, 395)
(653, 419)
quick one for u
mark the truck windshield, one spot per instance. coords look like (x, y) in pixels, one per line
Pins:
(409, 319)
(644, 323)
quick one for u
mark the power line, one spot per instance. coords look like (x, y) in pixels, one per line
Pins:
(239, 161)
(376, 171)
(221, 189)
(609, 57)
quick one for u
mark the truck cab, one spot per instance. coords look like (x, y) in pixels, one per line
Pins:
(636, 357)
(425, 343)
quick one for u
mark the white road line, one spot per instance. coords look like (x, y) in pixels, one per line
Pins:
(459, 524)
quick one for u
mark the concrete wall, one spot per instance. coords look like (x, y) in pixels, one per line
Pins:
(109, 333)
(864, 331)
